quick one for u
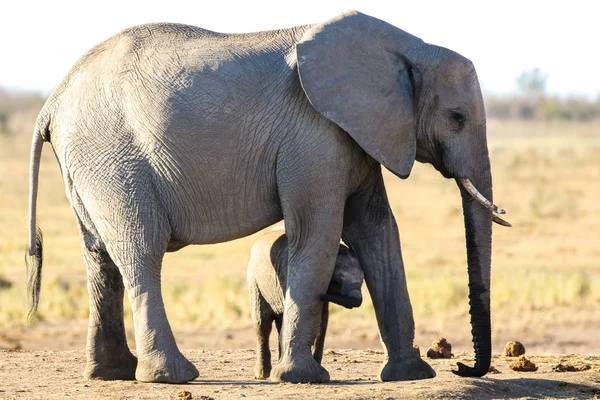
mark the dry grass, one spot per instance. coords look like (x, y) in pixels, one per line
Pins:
(545, 174)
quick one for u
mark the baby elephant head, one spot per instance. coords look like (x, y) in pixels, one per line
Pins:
(346, 281)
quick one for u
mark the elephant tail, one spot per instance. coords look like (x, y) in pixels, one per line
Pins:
(33, 254)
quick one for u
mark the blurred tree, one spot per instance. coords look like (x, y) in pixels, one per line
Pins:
(532, 85)
(532, 102)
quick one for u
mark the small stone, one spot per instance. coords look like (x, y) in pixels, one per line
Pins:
(514, 349)
(522, 364)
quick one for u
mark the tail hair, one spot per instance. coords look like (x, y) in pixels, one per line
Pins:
(33, 260)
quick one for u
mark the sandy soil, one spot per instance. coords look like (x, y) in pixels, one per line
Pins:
(227, 374)
(46, 361)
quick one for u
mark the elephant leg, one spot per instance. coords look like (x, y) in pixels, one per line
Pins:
(312, 185)
(313, 247)
(278, 325)
(262, 368)
(108, 356)
(262, 315)
(159, 358)
(138, 252)
(370, 230)
(319, 344)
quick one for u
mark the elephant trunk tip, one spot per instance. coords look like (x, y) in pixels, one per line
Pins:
(472, 372)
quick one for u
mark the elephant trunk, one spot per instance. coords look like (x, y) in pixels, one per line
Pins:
(478, 233)
(349, 297)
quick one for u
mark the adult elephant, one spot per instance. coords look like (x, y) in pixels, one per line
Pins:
(170, 135)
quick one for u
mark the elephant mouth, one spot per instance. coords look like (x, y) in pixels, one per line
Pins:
(473, 192)
(342, 300)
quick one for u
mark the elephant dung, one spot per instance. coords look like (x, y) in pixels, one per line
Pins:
(440, 348)
(514, 349)
(184, 395)
(523, 364)
(493, 370)
(570, 368)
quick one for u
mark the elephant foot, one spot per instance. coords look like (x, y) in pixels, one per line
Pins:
(261, 371)
(120, 368)
(302, 370)
(165, 367)
(406, 369)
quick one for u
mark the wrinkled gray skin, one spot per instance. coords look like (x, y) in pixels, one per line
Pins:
(267, 284)
(169, 135)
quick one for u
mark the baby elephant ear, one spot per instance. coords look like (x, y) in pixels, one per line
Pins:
(354, 71)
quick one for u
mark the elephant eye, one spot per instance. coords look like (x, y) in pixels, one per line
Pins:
(458, 118)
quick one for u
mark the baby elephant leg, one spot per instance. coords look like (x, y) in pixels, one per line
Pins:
(262, 316)
(319, 343)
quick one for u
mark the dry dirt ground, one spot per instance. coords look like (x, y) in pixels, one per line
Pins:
(227, 374)
(50, 363)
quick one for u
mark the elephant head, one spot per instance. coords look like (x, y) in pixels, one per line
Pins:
(401, 100)
(346, 281)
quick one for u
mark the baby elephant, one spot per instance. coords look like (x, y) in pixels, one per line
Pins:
(267, 283)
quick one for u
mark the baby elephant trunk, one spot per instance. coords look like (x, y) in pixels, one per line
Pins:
(348, 296)
(355, 294)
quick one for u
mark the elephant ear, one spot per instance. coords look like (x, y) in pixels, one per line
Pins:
(354, 71)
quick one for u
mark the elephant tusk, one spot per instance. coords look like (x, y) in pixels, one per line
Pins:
(469, 187)
(500, 221)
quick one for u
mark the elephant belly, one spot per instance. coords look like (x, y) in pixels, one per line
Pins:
(224, 205)
(217, 232)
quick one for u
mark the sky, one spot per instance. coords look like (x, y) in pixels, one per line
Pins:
(41, 40)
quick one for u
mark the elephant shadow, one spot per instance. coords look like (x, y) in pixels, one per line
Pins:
(468, 388)
(536, 388)
(260, 382)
